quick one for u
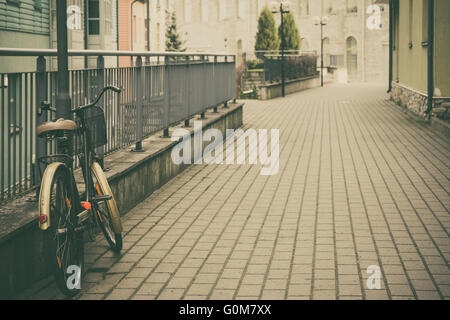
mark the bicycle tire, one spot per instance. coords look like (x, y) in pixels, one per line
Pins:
(65, 245)
(107, 216)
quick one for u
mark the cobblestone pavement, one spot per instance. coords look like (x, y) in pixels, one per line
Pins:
(360, 184)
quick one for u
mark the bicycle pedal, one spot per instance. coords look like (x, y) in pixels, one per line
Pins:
(83, 216)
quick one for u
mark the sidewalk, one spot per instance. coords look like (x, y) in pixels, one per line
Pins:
(360, 184)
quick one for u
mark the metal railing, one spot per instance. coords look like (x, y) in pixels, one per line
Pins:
(295, 66)
(160, 90)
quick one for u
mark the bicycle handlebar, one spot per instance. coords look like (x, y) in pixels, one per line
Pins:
(97, 99)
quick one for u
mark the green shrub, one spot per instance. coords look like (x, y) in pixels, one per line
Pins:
(255, 64)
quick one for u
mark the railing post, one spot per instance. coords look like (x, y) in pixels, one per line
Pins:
(187, 84)
(225, 104)
(139, 113)
(166, 97)
(215, 87)
(100, 151)
(41, 145)
(202, 114)
(233, 86)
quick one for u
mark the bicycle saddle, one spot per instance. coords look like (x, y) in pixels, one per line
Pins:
(52, 127)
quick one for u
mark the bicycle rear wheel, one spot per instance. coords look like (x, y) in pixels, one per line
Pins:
(65, 242)
(106, 212)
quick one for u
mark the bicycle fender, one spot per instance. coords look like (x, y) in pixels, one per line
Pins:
(44, 194)
(115, 215)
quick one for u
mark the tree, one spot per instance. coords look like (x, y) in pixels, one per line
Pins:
(266, 37)
(291, 34)
(173, 39)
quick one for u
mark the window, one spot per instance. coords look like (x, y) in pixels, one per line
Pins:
(239, 45)
(241, 9)
(303, 8)
(187, 10)
(204, 10)
(158, 37)
(352, 6)
(222, 9)
(352, 56)
(94, 17)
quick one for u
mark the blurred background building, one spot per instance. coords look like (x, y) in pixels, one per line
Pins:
(224, 25)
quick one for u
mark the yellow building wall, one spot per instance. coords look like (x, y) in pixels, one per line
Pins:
(442, 47)
(412, 62)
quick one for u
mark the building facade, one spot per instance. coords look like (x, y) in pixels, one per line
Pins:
(92, 25)
(349, 43)
(412, 79)
(134, 24)
(23, 24)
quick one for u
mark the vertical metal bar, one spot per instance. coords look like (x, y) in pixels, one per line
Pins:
(28, 105)
(108, 111)
(283, 46)
(12, 96)
(32, 112)
(233, 80)
(22, 104)
(430, 53)
(187, 91)
(139, 120)
(41, 95)
(321, 54)
(391, 39)
(3, 134)
(100, 151)
(166, 97)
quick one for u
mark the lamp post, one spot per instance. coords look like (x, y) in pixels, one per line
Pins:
(63, 108)
(282, 9)
(322, 21)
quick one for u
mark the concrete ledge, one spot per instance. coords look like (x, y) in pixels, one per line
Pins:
(132, 176)
(273, 90)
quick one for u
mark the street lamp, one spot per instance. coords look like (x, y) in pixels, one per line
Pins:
(282, 9)
(322, 21)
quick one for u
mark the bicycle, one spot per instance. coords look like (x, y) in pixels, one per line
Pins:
(62, 216)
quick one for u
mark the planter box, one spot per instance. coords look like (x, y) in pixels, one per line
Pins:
(273, 90)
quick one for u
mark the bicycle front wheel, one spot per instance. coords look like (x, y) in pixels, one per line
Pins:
(106, 211)
(65, 241)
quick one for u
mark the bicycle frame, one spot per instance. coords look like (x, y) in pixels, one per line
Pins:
(86, 162)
